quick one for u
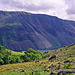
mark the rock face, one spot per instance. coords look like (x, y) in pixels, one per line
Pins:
(21, 30)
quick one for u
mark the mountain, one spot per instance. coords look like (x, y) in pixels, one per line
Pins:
(22, 30)
(55, 61)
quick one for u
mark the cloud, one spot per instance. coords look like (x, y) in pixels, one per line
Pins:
(59, 8)
(71, 6)
(31, 5)
(71, 9)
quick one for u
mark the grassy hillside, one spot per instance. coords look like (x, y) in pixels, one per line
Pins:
(44, 66)
(16, 53)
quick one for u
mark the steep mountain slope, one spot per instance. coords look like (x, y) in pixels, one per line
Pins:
(21, 30)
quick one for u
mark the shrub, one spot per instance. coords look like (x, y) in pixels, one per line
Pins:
(1, 62)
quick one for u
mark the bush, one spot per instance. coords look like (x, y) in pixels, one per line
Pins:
(25, 58)
(18, 60)
(6, 56)
(33, 54)
(1, 62)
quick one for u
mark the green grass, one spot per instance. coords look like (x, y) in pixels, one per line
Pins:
(12, 73)
(41, 68)
(16, 53)
(28, 73)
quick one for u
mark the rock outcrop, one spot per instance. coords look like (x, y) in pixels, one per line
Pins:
(64, 72)
(52, 57)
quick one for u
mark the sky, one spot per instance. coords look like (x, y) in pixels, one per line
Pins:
(64, 9)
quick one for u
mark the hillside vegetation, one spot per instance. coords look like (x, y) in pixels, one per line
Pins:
(62, 58)
(8, 56)
(21, 31)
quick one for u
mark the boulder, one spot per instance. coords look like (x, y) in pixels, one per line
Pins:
(36, 61)
(64, 72)
(23, 71)
(67, 61)
(52, 57)
(42, 62)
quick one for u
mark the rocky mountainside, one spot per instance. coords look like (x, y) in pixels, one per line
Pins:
(21, 30)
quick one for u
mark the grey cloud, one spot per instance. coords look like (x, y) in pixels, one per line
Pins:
(31, 7)
(71, 6)
(71, 11)
(51, 7)
(10, 3)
